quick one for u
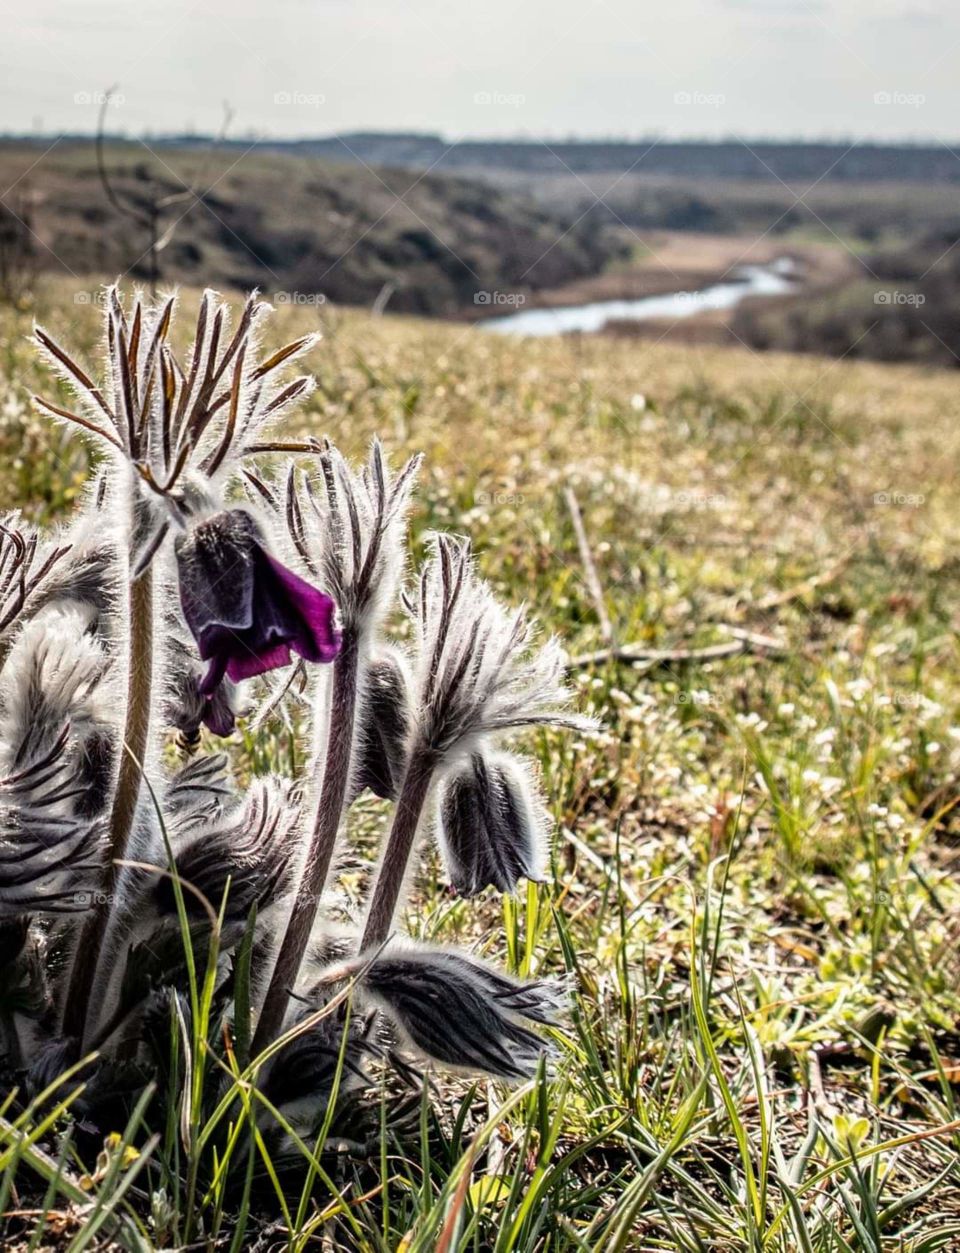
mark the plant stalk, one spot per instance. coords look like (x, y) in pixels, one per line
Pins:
(388, 885)
(78, 1009)
(326, 827)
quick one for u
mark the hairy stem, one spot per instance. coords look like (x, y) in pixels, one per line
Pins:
(78, 1009)
(326, 827)
(385, 895)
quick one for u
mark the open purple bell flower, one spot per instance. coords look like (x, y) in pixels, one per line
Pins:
(246, 610)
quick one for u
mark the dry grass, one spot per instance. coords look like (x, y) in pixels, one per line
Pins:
(756, 857)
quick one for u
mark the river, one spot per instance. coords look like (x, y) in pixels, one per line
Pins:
(747, 280)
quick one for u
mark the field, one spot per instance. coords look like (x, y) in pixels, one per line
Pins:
(754, 876)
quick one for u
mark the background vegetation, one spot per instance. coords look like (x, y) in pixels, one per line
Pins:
(753, 887)
(437, 228)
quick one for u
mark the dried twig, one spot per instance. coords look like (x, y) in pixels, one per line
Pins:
(742, 642)
(589, 568)
(776, 599)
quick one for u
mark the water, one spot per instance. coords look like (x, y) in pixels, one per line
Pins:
(748, 280)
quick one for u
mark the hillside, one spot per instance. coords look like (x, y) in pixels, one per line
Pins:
(311, 229)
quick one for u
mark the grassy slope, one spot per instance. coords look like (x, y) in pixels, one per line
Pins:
(711, 481)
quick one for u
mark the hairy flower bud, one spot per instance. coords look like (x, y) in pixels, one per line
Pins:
(249, 851)
(459, 1011)
(187, 708)
(384, 725)
(490, 824)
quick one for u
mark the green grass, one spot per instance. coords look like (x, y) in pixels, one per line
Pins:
(753, 888)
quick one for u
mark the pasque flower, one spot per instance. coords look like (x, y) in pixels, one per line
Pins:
(246, 610)
(477, 678)
(140, 620)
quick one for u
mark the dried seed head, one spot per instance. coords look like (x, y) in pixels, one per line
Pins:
(491, 824)
(28, 568)
(169, 419)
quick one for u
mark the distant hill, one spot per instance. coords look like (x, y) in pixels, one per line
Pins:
(295, 223)
(762, 161)
(908, 309)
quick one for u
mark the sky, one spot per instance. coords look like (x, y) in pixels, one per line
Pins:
(855, 69)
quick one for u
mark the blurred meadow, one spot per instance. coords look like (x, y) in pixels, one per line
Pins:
(753, 883)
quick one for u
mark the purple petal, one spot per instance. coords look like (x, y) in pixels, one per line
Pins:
(318, 640)
(214, 673)
(245, 663)
(218, 717)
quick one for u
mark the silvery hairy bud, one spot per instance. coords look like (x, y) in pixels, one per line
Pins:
(491, 824)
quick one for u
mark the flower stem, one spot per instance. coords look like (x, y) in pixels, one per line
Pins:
(326, 827)
(78, 1008)
(393, 866)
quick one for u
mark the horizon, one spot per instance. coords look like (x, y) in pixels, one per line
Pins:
(238, 137)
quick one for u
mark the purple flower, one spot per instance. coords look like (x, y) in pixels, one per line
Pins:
(246, 610)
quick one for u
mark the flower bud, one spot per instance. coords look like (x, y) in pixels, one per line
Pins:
(490, 824)
(384, 725)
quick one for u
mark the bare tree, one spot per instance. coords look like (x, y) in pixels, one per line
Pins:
(18, 254)
(150, 210)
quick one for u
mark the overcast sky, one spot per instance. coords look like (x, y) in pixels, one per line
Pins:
(752, 68)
